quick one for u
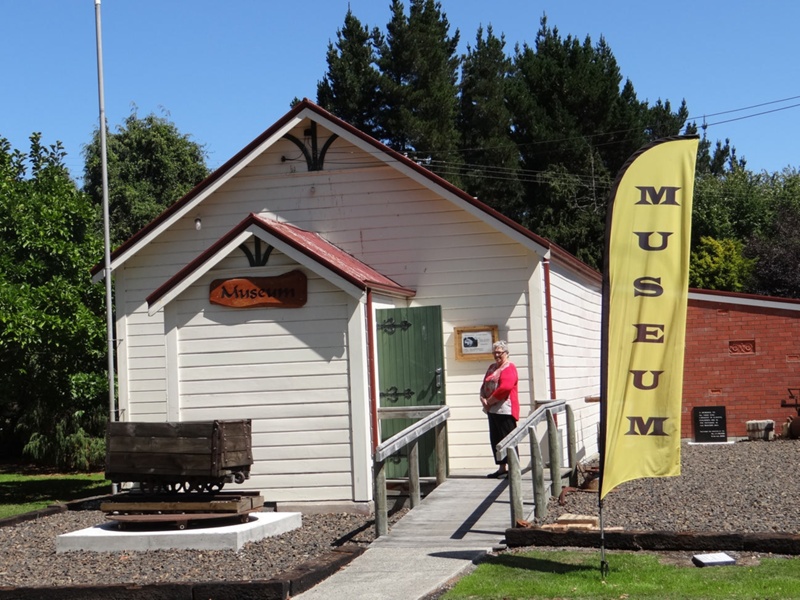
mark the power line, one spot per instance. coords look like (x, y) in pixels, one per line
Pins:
(766, 112)
(630, 130)
(725, 112)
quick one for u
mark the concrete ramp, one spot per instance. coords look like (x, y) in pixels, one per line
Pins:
(453, 527)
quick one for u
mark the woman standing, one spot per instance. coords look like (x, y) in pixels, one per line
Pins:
(500, 400)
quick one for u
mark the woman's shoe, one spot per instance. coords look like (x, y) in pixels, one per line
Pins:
(496, 475)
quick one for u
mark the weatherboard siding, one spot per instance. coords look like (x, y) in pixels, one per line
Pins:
(284, 368)
(577, 309)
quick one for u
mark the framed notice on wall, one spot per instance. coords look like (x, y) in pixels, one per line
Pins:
(475, 343)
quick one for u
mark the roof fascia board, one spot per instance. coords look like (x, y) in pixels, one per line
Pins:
(574, 265)
(205, 193)
(197, 273)
(763, 302)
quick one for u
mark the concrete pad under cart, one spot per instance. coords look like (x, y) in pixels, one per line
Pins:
(107, 537)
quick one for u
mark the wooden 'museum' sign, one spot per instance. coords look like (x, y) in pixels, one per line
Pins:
(289, 290)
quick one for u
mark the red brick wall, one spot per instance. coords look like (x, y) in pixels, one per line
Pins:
(743, 358)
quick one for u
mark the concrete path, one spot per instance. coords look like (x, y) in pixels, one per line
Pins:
(456, 524)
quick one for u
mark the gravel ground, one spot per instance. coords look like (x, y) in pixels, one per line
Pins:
(745, 487)
(28, 557)
(741, 487)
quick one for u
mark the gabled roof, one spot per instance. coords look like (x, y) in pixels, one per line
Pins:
(306, 109)
(306, 247)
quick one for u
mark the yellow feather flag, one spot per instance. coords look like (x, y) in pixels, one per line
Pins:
(645, 289)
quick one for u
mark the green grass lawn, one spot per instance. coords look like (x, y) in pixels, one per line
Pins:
(21, 493)
(576, 574)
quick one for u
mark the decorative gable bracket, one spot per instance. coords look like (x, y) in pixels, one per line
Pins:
(316, 157)
(256, 259)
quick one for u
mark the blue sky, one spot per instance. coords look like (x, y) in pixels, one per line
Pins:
(225, 71)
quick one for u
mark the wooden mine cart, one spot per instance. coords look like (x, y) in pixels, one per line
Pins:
(179, 456)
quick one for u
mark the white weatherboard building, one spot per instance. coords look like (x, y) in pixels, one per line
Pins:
(279, 289)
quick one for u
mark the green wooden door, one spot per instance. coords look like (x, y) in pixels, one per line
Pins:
(411, 373)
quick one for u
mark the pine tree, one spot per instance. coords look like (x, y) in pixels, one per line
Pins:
(419, 92)
(350, 87)
(575, 129)
(491, 170)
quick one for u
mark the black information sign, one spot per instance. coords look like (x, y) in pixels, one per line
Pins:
(709, 424)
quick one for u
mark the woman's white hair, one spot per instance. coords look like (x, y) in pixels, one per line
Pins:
(501, 345)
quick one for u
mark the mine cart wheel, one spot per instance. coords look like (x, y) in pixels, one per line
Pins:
(210, 487)
(148, 487)
(794, 429)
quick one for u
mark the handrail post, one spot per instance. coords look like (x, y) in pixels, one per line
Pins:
(381, 503)
(572, 451)
(440, 435)
(435, 420)
(554, 445)
(537, 474)
(514, 486)
(413, 473)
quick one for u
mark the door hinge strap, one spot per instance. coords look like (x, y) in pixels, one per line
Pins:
(390, 326)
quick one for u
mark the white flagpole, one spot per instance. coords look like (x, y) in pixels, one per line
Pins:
(112, 412)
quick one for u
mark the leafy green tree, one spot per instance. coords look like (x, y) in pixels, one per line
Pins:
(492, 166)
(53, 382)
(150, 165)
(735, 205)
(419, 93)
(720, 265)
(776, 245)
(350, 87)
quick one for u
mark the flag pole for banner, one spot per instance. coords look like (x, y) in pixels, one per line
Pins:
(112, 409)
(606, 299)
(603, 561)
(605, 311)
